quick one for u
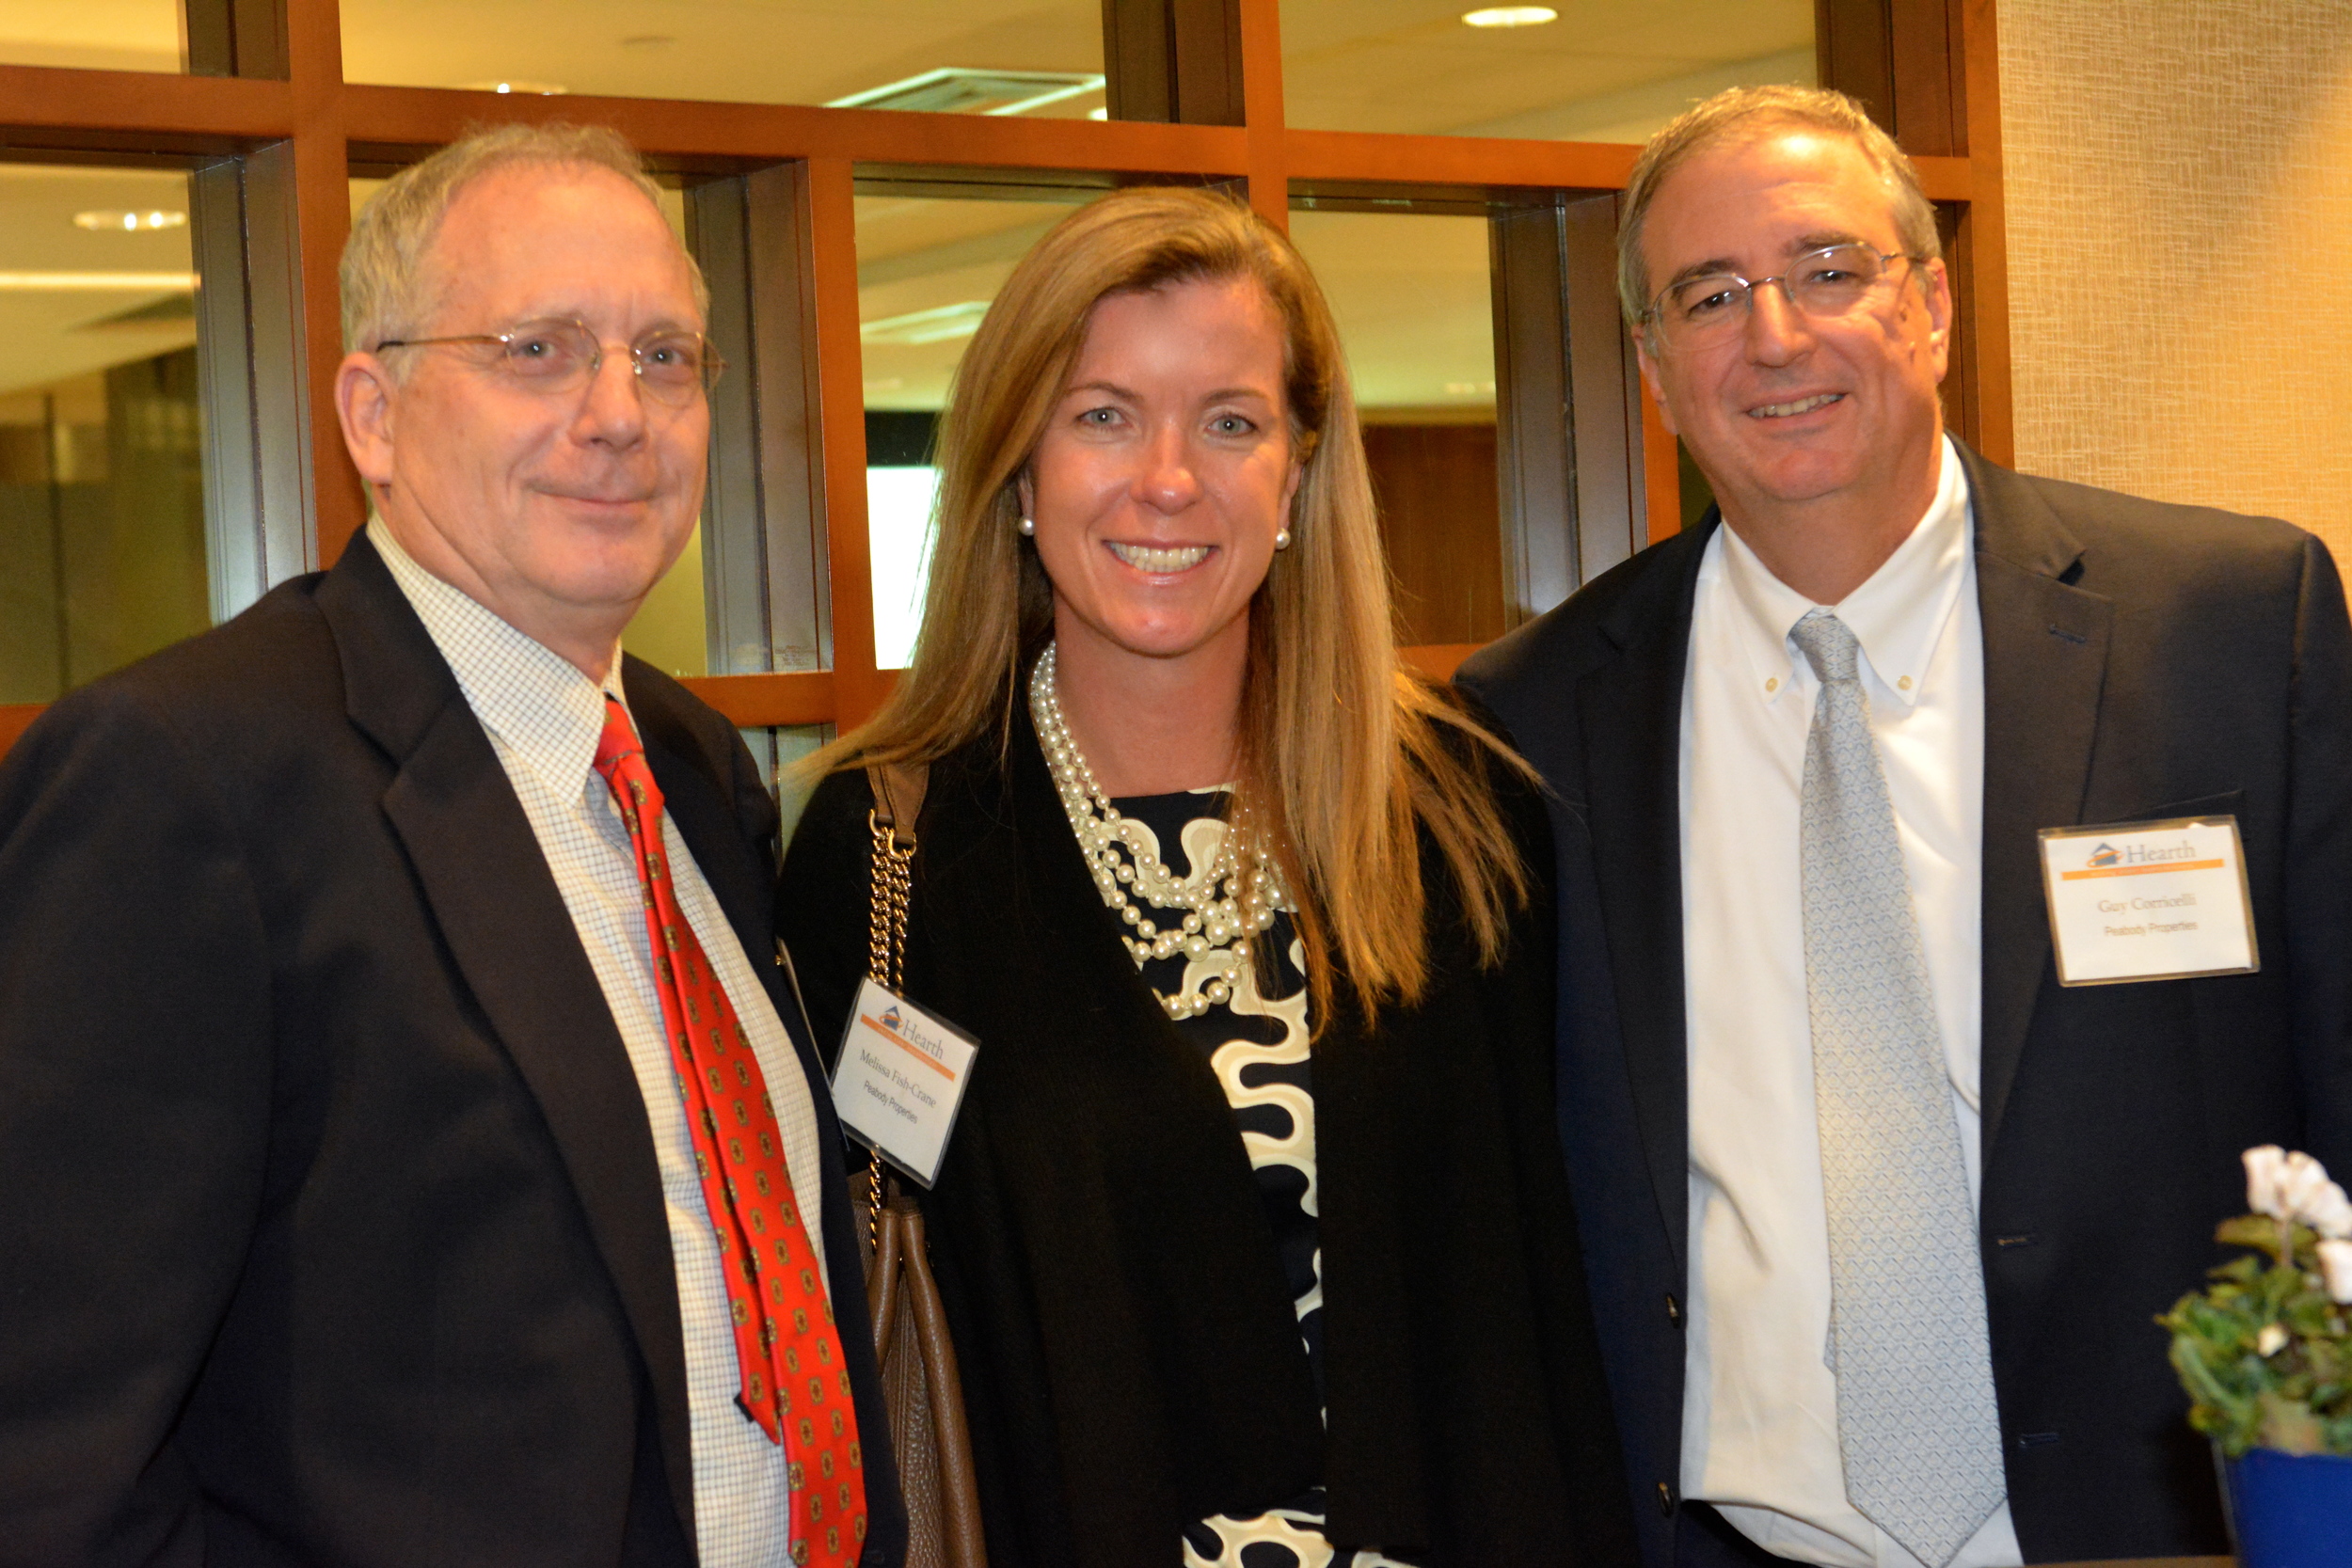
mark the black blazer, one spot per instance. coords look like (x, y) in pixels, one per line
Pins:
(329, 1217)
(1130, 1351)
(2141, 661)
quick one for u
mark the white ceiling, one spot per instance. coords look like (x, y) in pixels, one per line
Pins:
(1410, 293)
(754, 51)
(53, 334)
(1415, 308)
(1607, 69)
(94, 34)
(918, 255)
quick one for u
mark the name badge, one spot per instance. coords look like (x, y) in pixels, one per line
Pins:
(901, 1080)
(2149, 902)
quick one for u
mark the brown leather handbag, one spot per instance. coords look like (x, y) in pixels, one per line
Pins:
(920, 1384)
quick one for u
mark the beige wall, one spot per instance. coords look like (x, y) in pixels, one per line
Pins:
(2179, 179)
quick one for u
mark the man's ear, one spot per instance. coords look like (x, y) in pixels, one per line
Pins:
(365, 398)
(1937, 286)
(1650, 380)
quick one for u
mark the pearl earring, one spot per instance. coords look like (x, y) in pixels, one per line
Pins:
(1282, 539)
(1027, 527)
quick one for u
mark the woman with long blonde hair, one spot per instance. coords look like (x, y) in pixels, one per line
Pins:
(1253, 1232)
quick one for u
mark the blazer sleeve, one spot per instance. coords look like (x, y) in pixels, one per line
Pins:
(134, 1085)
(2319, 856)
(821, 904)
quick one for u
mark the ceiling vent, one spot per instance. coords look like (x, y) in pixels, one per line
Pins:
(957, 90)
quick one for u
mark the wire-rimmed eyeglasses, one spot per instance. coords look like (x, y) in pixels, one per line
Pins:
(558, 356)
(1820, 284)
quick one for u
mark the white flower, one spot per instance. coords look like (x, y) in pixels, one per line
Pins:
(2263, 1167)
(2335, 1261)
(2301, 1180)
(2330, 1213)
(2272, 1341)
(2296, 1187)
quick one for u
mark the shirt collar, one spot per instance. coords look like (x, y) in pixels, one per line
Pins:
(531, 697)
(1898, 615)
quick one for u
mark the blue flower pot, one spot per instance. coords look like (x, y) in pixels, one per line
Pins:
(2291, 1511)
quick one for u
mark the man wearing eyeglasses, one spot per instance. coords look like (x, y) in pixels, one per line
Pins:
(411, 1149)
(1876, 1210)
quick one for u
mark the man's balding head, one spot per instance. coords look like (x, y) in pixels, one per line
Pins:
(391, 287)
(1745, 114)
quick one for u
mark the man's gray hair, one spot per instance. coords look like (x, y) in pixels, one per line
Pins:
(1739, 115)
(387, 287)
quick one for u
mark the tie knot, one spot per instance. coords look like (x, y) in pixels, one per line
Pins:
(619, 739)
(1828, 646)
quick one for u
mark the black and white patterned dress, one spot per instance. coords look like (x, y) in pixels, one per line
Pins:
(1256, 1044)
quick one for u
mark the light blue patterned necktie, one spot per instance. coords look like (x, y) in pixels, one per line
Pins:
(1916, 1421)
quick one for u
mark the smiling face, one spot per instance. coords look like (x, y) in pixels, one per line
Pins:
(557, 510)
(1793, 415)
(1163, 476)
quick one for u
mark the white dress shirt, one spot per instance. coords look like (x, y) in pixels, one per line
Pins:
(544, 718)
(1760, 1416)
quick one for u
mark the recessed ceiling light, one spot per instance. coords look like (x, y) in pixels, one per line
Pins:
(542, 90)
(104, 220)
(1099, 111)
(1511, 16)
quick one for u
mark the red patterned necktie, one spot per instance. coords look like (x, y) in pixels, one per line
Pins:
(795, 1384)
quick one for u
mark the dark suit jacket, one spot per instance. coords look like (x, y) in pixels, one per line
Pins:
(1129, 1347)
(330, 1220)
(2142, 661)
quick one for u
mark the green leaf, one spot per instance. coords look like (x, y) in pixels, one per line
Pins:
(2289, 1426)
(2298, 1398)
(2253, 1230)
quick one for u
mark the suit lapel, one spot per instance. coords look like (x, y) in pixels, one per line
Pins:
(1631, 710)
(2045, 659)
(510, 935)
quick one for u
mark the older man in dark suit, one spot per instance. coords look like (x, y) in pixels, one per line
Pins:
(1877, 1208)
(409, 1149)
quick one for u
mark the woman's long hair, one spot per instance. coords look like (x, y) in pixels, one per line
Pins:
(1342, 752)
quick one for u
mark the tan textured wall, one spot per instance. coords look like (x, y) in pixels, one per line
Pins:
(2180, 249)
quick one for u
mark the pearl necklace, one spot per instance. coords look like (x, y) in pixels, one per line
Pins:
(1222, 911)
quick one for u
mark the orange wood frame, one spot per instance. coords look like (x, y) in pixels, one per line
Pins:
(139, 115)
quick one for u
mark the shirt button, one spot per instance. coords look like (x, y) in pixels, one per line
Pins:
(1665, 1499)
(1904, 684)
(1772, 683)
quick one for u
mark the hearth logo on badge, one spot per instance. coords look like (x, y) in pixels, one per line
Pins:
(2165, 900)
(900, 1078)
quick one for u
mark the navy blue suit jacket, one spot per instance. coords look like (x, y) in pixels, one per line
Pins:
(2142, 661)
(330, 1227)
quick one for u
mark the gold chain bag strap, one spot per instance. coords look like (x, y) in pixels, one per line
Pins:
(920, 1384)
